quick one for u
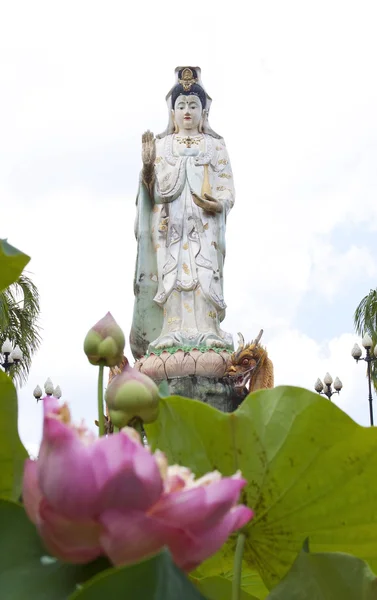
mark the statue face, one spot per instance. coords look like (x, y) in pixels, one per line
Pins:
(187, 112)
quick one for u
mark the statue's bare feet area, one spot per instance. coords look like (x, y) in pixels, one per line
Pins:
(214, 342)
(166, 342)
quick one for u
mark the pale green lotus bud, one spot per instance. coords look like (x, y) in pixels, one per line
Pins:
(104, 343)
(130, 395)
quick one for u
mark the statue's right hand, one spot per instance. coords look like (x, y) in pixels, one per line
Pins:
(148, 148)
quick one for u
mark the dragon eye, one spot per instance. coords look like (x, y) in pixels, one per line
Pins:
(245, 361)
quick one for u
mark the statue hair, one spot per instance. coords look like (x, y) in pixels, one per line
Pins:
(195, 90)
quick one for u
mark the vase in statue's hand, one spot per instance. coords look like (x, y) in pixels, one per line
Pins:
(208, 203)
(148, 154)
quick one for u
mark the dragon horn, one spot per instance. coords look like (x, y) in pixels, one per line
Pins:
(257, 339)
(241, 341)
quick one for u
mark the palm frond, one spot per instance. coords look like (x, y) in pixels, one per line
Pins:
(365, 321)
(365, 317)
(19, 313)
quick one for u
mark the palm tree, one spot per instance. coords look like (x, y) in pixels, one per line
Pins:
(365, 321)
(19, 313)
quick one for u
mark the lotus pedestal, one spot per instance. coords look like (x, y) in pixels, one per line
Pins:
(193, 374)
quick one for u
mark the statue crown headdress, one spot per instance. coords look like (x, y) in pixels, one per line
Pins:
(187, 77)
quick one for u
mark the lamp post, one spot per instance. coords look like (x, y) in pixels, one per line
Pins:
(325, 388)
(369, 358)
(10, 356)
(49, 390)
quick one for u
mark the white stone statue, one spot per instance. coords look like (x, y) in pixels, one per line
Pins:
(186, 191)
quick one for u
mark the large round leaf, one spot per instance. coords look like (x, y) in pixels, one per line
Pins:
(154, 579)
(12, 452)
(311, 472)
(219, 588)
(12, 263)
(327, 575)
(26, 571)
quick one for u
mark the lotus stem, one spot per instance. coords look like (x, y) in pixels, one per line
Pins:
(237, 571)
(137, 424)
(101, 418)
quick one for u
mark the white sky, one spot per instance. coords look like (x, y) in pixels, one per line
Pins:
(294, 93)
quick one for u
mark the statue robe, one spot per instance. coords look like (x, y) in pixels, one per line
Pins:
(178, 282)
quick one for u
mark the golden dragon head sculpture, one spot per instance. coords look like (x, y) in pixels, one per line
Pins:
(250, 368)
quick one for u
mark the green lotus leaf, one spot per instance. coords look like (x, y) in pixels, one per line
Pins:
(154, 579)
(327, 575)
(219, 588)
(26, 569)
(12, 263)
(311, 472)
(12, 452)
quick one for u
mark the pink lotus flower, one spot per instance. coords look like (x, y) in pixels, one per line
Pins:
(90, 496)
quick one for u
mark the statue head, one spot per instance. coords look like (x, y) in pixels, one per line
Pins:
(188, 91)
(188, 113)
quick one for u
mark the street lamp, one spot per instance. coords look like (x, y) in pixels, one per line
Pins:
(11, 356)
(369, 358)
(325, 388)
(49, 390)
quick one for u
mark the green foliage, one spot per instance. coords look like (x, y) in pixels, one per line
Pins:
(251, 581)
(26, 571)
(19, 308)
(365, 317)
(365, 321)
(219, 588)
(154, 579)
(19, 312)
(163, 389)
(327, 575)
(12, 452)
(12, 263)
(310, 472)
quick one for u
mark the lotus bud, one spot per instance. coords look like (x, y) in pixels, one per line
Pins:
(132, 394)
(104, 342)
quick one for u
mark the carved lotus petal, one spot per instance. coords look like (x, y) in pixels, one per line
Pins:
(226, 356)
(179, 364)
(164, 356)
(153, 367)
(195, 354)
(210, 364)
(139, 363)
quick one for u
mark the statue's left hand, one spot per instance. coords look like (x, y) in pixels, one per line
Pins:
(208, 203)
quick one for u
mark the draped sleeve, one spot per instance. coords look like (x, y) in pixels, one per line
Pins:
(223, 184)
(147, 316)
